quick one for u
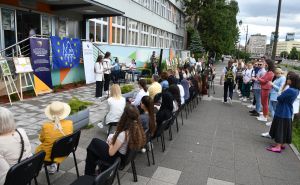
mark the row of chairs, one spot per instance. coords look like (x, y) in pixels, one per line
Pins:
(28, 170)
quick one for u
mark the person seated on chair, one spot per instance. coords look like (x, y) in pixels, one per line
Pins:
(14, 143)
(155, 87)
(147, 117)
(164, 81)
(129, 135)
(52, 130)
(142, 92)
(186, 86)
(116, 104)
(133, 70)
(166, 108)
(174, 90)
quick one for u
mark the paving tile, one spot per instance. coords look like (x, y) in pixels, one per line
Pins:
(66, 178)
(127, 179)
(211, 181)
(167, 175)
(156, 182)
(222, 174)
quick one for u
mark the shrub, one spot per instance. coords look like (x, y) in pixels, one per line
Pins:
(126, 88)
(78, 105)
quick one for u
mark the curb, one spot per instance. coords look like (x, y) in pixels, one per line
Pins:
(295, 151)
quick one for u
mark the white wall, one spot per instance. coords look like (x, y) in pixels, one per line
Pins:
(137, 12)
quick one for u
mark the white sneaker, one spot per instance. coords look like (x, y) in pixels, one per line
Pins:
(106, 92)
(262, 119)
(52, 168)
(241, 98)
(100, 125)
(245, 100)
(240, 95)
(260, 113)
(229, 100)
(266, 134)
(250, 106)
(268, 124)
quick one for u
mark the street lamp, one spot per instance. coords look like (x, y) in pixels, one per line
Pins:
(276, 31)
(240, 23)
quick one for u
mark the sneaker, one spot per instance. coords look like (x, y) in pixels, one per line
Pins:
(266, 134)
(100, 125)
(254, 114)
(234, 91)
(229, 100)
(241, 98)
(250, 106)
(260, 113)
(261, 118)
(273, 149)
(268, 124)
(252, 111)
(240, 95)
(245, 100)
(52, 168)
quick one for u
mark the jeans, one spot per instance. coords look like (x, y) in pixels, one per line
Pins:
(272, 106)
(257, 95)
(246, 90)
(228, 86)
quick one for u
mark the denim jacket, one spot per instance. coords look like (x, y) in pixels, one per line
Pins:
(277, 86)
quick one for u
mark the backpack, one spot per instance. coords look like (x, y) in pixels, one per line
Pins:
(229, 76)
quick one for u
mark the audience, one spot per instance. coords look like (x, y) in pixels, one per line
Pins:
(54, 129)
(166, 108)
(164, 80)
(14, 143)
(129, 135)
(147, 117)
(155, 87)
(175, 92)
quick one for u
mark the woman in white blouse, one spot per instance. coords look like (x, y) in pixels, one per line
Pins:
(14, 143)
(99, 76)
(142, 92)
(107, 71)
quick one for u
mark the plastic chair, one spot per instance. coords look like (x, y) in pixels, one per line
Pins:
(28, 169)
(110, 125)
(149, 141)
(63, 147)
(160, 133)
(105, 178)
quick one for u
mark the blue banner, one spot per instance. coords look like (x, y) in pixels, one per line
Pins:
(66, 52)
(40, 53)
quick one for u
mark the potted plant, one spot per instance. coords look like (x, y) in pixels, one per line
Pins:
(80, 114)
(127, 90)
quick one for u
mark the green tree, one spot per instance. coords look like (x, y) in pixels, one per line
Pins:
(284, 54)
(216, 23)
(195, 45)
(294, 54)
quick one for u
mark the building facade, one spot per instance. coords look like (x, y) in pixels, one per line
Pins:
(290, 36)
(256, 45)
(286, 46)
(129, 29)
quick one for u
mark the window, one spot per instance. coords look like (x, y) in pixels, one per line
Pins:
(163, 8)
(182, 21)
(46, 25)
(167, 40)
(144, 35)
(153, 39)
(156, 6)
(61, 27)
(99, 30)
(133, 32)
(118, 30)
(169, 11)
(161, 34)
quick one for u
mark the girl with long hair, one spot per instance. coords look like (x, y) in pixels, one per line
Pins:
(143, 92)
(266, 88)
(129, 135)
(174, 90)
(98, 69)
(107, 71)
(147, 117)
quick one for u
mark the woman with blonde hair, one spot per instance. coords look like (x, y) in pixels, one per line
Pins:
(56, 128)
(14, 143)
(116, 104)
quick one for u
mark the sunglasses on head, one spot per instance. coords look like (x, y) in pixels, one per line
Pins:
(259, 64)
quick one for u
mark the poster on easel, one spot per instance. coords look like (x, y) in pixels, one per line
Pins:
(40, 57)
(24, 70)
(10, 85)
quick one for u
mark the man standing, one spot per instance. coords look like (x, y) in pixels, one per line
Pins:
(257, 89)
(228, 75)
(153, 62)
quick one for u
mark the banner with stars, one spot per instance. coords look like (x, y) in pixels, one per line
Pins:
(66, 52)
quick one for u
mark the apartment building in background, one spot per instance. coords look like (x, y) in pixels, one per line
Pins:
(256, 45)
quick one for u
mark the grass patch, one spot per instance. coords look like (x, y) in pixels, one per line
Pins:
(89, 126)
(78, 105)
(296, 133)
(127, 88)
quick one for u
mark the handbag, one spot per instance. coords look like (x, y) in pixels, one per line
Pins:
(22, 147)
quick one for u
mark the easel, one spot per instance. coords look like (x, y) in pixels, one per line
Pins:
(10, 85)
(27, 84)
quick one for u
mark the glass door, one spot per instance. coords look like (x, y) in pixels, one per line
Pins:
(8, 29)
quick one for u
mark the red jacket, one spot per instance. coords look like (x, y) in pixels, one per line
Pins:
(264, 81)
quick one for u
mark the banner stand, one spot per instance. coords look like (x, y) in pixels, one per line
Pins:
(27, 84)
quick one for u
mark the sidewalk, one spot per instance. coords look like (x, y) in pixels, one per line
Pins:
(219, 144)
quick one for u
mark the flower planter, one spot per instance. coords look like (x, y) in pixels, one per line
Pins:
(80, 119)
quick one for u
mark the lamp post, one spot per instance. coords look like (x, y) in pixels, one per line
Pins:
(276, 31)
(240, 23)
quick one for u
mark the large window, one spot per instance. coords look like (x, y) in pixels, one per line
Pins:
(156, 6)
(133, 32)
(169, 11)
(144, 35)
(163, 8)
(167, 40)
(161, 34)
(118, 30)
(153, 38)
(99, 30)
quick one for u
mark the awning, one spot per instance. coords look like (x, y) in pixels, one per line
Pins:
(87, 8)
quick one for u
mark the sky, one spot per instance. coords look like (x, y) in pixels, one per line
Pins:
(260, 16)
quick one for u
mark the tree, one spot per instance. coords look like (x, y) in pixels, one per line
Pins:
(294, 54)
(284, 54)
(216, 23)
(195, 45)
